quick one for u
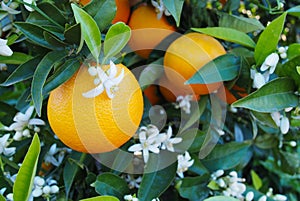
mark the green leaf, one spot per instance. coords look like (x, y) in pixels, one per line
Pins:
(290, 162)
(102, 198)
(111, 184)
(222, 68)
(89, 29)
(15, 58)
(264, 118)
(268, 39)
(266, 141)
(2, 198)
(221, 198)
(116, 38)
(256, 181)
(293, 51)
(72, 34)
(276, 95)
(159, 173)
(103, 12)
(40, 76)
(22, 72)
(27, 171)
(151, 73)
(295, 11)
(34, 33)
(226, 156)
(289, 69)
(53, 12)
(175, 8)
(298, 69)
(228, 34)
(240, 23)
(194, 188)
(63, 74)
(70, 170)
(54, 41)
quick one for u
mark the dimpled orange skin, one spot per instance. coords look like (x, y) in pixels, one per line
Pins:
(147, 30)
(95, 125)
(189, 53)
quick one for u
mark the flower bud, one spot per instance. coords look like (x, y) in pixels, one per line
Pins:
(284, 125)
(249, 196)
(54, 189)
(46, 189)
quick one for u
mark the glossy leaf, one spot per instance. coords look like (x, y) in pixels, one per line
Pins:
(268, 39)
(60, 76)
(223, 68)
(221, 198)
(22, 72)
(264, 118)
(53, 12)
(175, 8)
(102, 198)
(72, 34)
(103, 12)
(240, 23)
(15, 58)
(54, 41)
(295, 11)
(256, 181)
(158, 176)
(276, 95)
(194, 188)
(34, 33)
(89, 29)
(40, 76)
(151, 73)
(27, 171)
(293, 51)
(111, 184)
(116, 38)
(228, 34)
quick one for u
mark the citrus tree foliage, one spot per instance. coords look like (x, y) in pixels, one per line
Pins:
(243, 149)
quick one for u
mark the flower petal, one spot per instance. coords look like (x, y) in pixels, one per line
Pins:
(135, 147)
(3, 139)
(29, 112)
(36, 121)
(9, 151)
(112, 70)
(118, 79)
(94, 92)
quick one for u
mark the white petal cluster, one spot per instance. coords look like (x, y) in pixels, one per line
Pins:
(281, 121)
(105, 80)
(4, 48)
(184, 162)
(133, 182)
(134, 198)
(56, 155)
(160, 8)
(282, 51)
(23, 123)
(4, 149)
(44, 188)
(184, 102)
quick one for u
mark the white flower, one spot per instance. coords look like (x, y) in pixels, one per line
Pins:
(150, 140)
(52, 156)
(44, 187)
(5, 49)
(270, 63)
(276, 117)
(22, 122)
(106, 79)
(279, 197)
(9, 197)
(184, 162)
(217, 174)
(32, 2)
(262, 198)
(3, 146)
(9, 9)
(54, 189)
(183, 102)
(132, 182)
(293, 143)
(249, 196)
(130, 198)
(160, 8)
(258, 80)
(284, 125)
(168, 142)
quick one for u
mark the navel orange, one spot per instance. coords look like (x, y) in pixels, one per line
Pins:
(187, 54)
(99, 124)
(147, 30)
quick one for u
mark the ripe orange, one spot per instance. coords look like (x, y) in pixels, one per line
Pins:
(151, 92)
(147, 30)
(99, 124)
(122, 13)
(189, 53)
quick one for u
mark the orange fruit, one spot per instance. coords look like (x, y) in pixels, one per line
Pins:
(122, 13)
(189, 53)
(147, 30)
(95, 125)
(170, 92)
(151, 92)
(45, 168)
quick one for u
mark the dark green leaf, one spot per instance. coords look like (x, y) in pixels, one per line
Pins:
(266, 141)
(159, 173)
(60, 76)
(228, 34)
(194, 188)
(223, 68)
(264, 118)
(226, 156)
(268, 40)
(27, 171)
(54, 41)
(240, 23)
(16, 58)
(256, 181)
(276, 95)
(111, 184)
(72, 34)
(290, 162)
(23, 72)
(175, 8)
(103, 12)
(34, 33)
(151, 73)
(116, 38)
(89, 29)
(197, 166)
(289, 69)
(221, 198)
(40, 76)
(53, 12)
(295, 11)
(102, 198)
